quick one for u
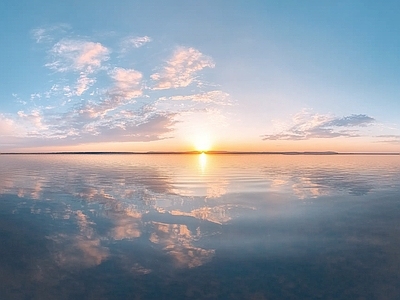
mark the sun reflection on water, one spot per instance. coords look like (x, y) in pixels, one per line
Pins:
(203, 162)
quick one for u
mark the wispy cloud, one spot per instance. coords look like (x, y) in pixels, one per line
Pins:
(307, 125)
(83, 83)
(181, 68)
(390, 139)
(80, 56)
(40, 34)
(46, 34)
(351, 121)
(215, 97)
(74, 130)
(134, 42)
(34, 120)
(8, 127)
(127, 86)
(77, 55)
(119, 128)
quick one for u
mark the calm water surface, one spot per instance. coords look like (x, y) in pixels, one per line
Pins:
(199, 227)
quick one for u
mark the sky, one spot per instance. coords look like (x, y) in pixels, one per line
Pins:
(184, 75)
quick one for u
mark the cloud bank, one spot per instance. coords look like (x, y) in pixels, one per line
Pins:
(95, 95)
(306, 125)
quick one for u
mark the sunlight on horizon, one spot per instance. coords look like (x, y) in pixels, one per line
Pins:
(202, 143)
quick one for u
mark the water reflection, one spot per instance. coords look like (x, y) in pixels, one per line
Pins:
(203, 162)
(126, 225)
(154, 215)
(176, 240)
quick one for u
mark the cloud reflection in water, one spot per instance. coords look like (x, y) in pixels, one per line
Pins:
(147, 215)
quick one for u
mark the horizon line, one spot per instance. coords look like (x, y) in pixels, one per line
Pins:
(205, 152)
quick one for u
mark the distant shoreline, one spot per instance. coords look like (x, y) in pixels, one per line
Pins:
(200, 152)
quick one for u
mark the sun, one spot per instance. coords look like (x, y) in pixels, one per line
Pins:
(202, 143)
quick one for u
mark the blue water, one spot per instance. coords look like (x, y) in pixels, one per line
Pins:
(199, 227)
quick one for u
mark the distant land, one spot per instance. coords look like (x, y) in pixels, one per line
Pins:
(206, 152)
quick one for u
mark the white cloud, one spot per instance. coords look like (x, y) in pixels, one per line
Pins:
(36, 95)
(307, 125)
(180, 70)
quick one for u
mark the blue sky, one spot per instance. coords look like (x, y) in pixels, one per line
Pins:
(179, 75)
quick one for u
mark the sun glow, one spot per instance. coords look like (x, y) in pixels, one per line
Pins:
(202, 143)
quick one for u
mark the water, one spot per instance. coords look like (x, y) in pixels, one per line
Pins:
(199, 227)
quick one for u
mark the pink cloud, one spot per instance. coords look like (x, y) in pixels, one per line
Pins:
(34, 119)
(127, 83)
(7, 126)
(77, 55)
(180, 70)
